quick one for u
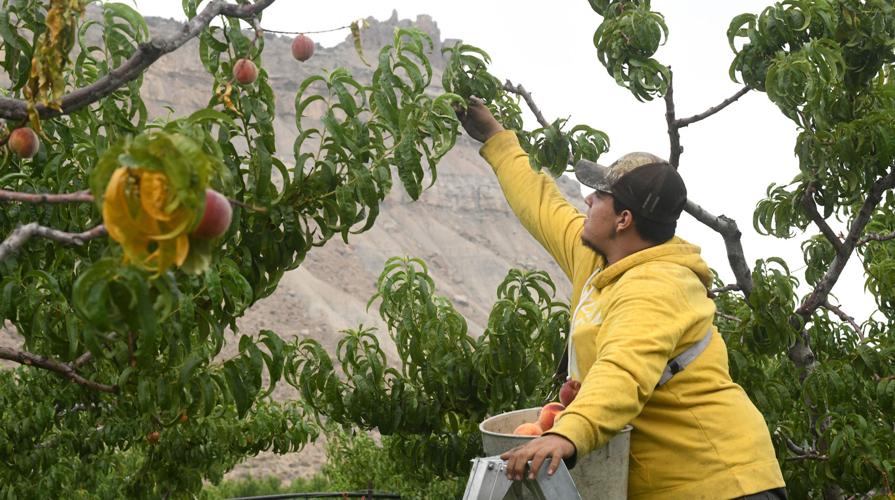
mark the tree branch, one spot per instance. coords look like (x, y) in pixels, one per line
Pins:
(844, 317)
(822, 290)
(22, 234)
(802, 453)
(65, 370)
(683, 122)
(726, 288)
(728, 230)
(520, 90)
(674, 135)
(80, 196)
(82, 360)
(728, 317)
(146, 54)
(674, 125)
(810, 456)
(793, 447)
(825, 229)
(875, 237)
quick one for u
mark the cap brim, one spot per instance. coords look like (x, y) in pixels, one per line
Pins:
(592, 175)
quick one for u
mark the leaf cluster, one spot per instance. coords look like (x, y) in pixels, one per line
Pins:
(447, 381)
(626, 41)
(550, 147)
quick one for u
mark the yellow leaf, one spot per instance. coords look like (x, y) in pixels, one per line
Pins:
(137, 214)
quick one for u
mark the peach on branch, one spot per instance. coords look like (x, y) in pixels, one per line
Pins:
(216, 217)
(528, 429)
(24, 142)
(302, 48)
(245, 72)
(548, 414)
(568, 391)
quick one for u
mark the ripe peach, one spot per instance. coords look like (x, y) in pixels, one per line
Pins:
(548, 414)
(216, 217)
(568, 391)
(153, 437)
(302, 48)
(245, 71)
(24, 142)
(528, 429)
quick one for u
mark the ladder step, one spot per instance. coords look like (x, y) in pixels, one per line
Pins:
(488, 481)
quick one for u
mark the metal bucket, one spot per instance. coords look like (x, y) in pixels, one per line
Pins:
(600, 475)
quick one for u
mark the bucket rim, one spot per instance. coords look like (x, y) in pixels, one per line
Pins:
(626, 428)
(504, 415)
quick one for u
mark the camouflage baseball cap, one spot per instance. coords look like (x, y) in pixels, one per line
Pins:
(649, 185)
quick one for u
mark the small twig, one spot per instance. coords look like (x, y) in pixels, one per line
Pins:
(130, 349)
(683, 122)
(247, 206)
(727, 288)
(82, 360)
(875, 237)
(793, 447)
(520, 90)
(65, 370)
(22, 234)
(728, 317)
(88, 356)
(814, 456)
(145, 55)
(825, 229)
(802, 453)
(79, 196)
(844, 317)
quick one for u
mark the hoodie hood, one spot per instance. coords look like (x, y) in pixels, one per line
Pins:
(675, 251)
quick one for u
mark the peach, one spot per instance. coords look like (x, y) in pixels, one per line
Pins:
(245, 72)
(216, 217)
(528, 429)
(568, 391)
(548, 414)
(24, 142)
(302, 48)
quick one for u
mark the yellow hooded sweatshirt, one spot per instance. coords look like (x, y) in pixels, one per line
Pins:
(699, 435)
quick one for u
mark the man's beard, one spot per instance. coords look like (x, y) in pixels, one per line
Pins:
(593, 247)
(589, 244)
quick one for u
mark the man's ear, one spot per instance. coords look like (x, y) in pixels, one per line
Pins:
(624, 221)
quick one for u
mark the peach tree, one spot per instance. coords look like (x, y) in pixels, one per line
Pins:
(123, 300)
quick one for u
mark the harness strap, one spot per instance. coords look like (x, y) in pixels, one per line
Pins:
(683, 359)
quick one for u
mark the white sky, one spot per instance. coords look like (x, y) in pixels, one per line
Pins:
(729, 159)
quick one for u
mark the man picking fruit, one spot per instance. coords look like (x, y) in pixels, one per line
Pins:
(642, 343)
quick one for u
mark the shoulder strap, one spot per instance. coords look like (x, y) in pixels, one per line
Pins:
(683, 359)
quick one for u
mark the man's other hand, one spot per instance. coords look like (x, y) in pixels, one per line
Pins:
(552, 446)
(478, 121)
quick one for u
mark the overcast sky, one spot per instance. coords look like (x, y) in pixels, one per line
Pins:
(729, 159)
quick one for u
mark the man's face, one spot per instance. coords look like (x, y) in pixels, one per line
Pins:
(600, 226)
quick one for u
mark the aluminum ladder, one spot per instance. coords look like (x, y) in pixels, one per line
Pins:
(488, 481)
